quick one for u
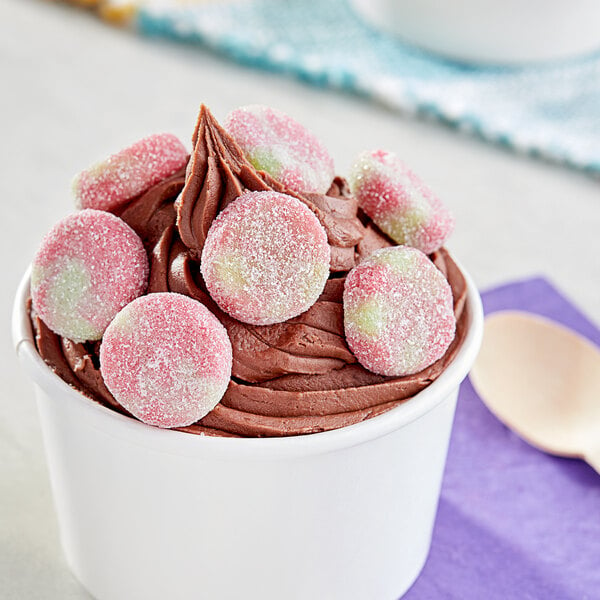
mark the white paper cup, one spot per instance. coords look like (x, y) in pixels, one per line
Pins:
(491, 31)
(157, 514)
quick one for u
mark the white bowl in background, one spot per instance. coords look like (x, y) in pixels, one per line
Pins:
(491, 31)
(151, 513)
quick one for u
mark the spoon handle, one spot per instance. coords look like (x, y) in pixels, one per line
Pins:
(592, 458)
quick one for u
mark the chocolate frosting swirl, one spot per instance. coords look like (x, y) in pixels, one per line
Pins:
(290, 378)
(218, 173)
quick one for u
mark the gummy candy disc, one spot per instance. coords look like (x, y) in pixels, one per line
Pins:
(398, 312)
(117, 179)
(167, 359)
(274, 142)
(399, 203)
(87, 268)
(266, 258)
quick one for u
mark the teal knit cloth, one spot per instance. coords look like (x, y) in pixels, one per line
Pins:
(551, 111)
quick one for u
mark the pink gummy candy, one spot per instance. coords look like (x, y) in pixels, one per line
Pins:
(399, 203)
(398, 312)
(166, 359)
(266, 258)
(274, 142)
(122, 176)
(87, 268)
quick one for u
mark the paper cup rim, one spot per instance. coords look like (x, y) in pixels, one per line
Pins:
(178, 442)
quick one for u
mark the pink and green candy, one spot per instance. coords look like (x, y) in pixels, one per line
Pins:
(166, 359)
(121, 177)
(266, 258)
(88, 267)
(399, 203)
(398, 312)
(274, 142)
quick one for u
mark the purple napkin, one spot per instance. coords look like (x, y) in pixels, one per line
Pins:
(513, 523)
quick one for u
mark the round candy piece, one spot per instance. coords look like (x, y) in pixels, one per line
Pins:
(167, 359)
(122, 176)
(398, 312)
(266, 258)
(274, 142)
(87, 268)
(399, 203)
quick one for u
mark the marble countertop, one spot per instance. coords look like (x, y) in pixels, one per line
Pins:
(76, 90)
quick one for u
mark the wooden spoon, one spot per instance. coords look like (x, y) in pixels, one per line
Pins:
(543, 381)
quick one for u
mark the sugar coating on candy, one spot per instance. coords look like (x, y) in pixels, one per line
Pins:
(398, 201)
(167, 359)
(87, 268)
(266, 258)
(398, 312)
(126, 174)
(274, 142)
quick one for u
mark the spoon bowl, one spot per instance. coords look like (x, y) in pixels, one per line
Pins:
(543, 381)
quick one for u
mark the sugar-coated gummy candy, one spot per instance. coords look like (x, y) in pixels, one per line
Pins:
(398, 312)
(274, 142)
(166, 359)
(398, 201)
(87, 268)
(117, 179)
(266, 258)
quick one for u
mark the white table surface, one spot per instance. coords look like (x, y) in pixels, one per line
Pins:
(75, 89)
